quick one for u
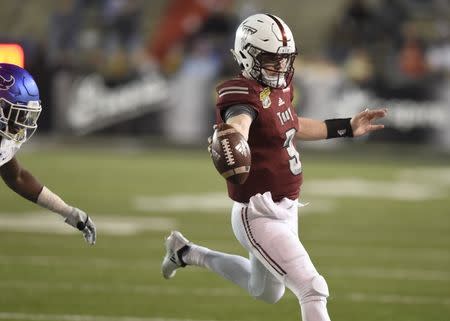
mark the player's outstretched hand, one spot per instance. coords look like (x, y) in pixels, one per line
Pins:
(362, 122)
(81, 221)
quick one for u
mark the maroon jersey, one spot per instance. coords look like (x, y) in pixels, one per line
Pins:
(276, 165)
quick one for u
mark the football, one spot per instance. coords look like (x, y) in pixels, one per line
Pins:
(230, 154)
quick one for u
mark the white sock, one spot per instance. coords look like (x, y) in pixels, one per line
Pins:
(232, 267)
(195, 255)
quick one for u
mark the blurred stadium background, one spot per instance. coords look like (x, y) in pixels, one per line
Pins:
(128, 95)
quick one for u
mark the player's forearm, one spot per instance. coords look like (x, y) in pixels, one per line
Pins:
(24, 184)
(311, 129)
(73, 216)
(241, 123)
(54, 203)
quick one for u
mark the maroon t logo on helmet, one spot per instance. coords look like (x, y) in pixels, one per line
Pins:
(6, 84)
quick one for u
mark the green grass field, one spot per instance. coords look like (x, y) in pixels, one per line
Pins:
(377, 228)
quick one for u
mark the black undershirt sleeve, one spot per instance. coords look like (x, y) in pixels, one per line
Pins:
(236, 110)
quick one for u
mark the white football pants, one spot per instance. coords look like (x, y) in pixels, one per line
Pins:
(269, 232)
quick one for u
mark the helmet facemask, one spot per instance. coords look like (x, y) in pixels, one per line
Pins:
(272, 69)
(18, 122)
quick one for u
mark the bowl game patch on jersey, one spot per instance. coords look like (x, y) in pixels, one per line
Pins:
(264, 96)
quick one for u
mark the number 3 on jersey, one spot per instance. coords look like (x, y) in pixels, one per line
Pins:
(294, 161)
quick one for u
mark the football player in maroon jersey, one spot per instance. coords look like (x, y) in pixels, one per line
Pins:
(258, 104)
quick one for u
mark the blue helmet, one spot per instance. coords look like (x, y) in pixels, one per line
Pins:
(20, 106)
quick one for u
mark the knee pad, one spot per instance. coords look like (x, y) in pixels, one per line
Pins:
(315, 289)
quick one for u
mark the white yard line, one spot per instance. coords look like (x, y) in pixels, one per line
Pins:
(209, 203)
(121, 288)
(63, 261)
(372, 272)
(120, 225)
(439, 175)
(320, 192)
(205, 202)
(396, 299)
(388, 273)
(361, 188)
(383, 253)
(78, 317)
(213, 292)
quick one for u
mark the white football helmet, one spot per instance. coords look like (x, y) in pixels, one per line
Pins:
(265, 50)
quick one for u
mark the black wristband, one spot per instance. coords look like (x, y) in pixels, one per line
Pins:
(339, 127)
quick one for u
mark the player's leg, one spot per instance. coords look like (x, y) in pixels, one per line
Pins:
(249, 274)
(301, 277)
(263, 284)
(234, 268)
(271, 230)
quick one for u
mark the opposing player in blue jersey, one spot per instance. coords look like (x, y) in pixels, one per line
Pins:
(20, 108)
